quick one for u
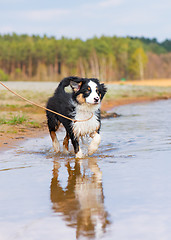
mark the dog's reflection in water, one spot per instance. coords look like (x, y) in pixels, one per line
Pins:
(82, 201)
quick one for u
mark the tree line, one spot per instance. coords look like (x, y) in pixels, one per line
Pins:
(24, 57)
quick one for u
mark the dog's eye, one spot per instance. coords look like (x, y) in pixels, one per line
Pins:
(88, 90)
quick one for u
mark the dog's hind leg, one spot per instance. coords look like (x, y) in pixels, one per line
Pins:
(53, 125)
(55, 141)
(65, 143)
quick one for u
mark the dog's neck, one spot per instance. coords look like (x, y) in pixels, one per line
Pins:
(86, 107)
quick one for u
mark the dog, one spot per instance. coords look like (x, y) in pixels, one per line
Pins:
(82, 103)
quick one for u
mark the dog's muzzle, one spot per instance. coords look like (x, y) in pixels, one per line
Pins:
(96, 100)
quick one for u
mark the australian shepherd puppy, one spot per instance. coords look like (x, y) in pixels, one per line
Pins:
(82, 103)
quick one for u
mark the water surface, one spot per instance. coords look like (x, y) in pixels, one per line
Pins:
(121, 192)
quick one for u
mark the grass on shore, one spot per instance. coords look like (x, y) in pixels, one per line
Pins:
(15, 119)
(20, 120)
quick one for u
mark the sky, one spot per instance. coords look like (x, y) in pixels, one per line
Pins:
(87, 18)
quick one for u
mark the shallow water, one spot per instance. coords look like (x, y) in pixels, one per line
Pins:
(122, 192)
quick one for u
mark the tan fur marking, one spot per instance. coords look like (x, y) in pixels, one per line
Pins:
(55, 141)
(65, 142)
(80, 98)
(57, 126)
(92, 134)
(53, 136)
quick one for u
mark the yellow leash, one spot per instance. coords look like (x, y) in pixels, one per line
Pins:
(73, 120)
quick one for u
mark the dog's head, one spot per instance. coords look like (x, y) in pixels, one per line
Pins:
(88, 90)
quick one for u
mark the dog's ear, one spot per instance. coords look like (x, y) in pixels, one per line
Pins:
(103, 90)
(75, 86)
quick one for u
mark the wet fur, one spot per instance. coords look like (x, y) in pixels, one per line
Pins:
(84, 100)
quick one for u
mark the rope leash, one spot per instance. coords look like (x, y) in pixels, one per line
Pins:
(61, 115)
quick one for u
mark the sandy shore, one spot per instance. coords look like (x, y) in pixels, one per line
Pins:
(8, 139)
(150, 82)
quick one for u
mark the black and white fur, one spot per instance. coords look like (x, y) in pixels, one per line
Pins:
(84, 101)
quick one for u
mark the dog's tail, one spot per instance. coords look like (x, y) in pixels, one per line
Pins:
(66, 82)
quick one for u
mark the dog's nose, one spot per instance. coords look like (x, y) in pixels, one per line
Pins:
(96, 99)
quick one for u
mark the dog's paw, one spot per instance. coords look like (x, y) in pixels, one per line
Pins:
(92, 150)
(65, 150)
(56, 146)
(79, 154)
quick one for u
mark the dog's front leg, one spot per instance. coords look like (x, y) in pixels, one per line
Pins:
(77, 149)
(79, 154)
(94, 143)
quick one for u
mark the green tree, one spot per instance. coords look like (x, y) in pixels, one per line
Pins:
(3, 76)
(137, 63)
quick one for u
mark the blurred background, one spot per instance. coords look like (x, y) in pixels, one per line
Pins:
(109, 39)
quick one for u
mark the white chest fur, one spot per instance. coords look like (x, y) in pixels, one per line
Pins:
(83, 112)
